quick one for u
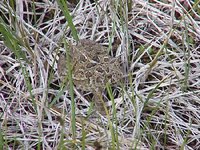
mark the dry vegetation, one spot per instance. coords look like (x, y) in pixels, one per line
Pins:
(158, 105)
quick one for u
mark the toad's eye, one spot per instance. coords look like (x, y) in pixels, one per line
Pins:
(106, 59)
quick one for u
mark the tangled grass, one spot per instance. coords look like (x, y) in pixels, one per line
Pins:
(158, 105)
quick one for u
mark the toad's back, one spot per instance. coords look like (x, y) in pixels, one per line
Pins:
(92, 66)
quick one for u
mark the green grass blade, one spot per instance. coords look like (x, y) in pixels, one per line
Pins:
(83, 142)
(1, 139)
(66, 12)
(11, 41)
(114, 130)
(71, 90)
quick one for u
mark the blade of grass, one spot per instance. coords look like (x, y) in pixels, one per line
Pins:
(113, 129)
(83, 135)
(1, 139)
(62, 89)
(13, 43)
(65, 10)
(186, 58)
(61, 144)
(153, 91)
(71, 89)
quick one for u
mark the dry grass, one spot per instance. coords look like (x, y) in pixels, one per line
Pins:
(157, 107)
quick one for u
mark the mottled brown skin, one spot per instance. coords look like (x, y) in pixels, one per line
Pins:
(92, 68)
